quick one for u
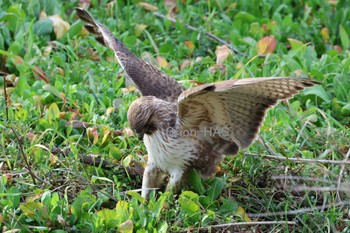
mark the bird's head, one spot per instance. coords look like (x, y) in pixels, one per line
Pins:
(141, 116)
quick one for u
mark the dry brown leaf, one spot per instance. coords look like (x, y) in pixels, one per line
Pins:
(93, 132)
(47, 50)
(172, 5)
(194, 82)
(18, 60)
(338, 48)
(325, 34)
(162, 62)
(148, 6)
(40, 74)
(190, 45)
(84, 4)
(106, 134)
(266, 45)
(130, 88)
(60, 27)
(216, 68)
(185, 63)
(222, 52)
(59, 71)
(109, 111)
(240, 212)
(31, 136)
(128, 132)
(239, 65)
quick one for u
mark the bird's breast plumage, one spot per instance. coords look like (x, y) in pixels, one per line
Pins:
(169, 150)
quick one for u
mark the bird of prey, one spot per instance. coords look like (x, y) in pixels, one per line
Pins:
(192, 128)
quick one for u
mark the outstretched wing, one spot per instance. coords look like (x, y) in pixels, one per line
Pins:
(150, 80)
(232, 111)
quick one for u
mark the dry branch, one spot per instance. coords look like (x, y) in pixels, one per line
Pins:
(299, 211)
(93, 160)
(323, 161)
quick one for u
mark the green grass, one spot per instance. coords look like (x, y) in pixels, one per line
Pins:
(86, 84)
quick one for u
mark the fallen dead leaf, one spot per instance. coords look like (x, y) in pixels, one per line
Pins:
(338, 48)
(128, 132)
(240, 212)
(148, 6)
(40, 74)
(162, 62)
(60, 27)
(109, 111)
(217, 68)
(172, 5)
(84, 4)
(93, 132)
(266, 45)
(325, 34)
(31, 136)
(239, 65)
(106, 133)
(190, 45)
(222, 52)
(185, 63)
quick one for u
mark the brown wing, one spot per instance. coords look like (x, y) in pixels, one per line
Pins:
(150, 80)
(234, 110)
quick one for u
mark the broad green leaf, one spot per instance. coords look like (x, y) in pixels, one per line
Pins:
(158, 205)
(345, 110)
(295, 44)
(344, 37)
(137, 196)
(163, 227)
(43, 27)
(122, 211)
(31, 208)
(139, 28)
(245, 17)
(189, 202)
(108, 217)
(46, 198)
(319, 91)
(53, 113)
(216, 187)
(15, 197)
(126, 227)
(229, 206)
(52, 90)
(195, 181)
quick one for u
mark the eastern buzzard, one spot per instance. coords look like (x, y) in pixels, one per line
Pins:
(192, 128)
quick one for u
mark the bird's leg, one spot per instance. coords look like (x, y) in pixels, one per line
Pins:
(152, 178)
(174, 180)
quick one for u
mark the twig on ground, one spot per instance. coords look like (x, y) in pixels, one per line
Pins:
(24, 156)
(299, 211)
(323, 161)
(341, 173)
(322, 189)
(6, 98)
(93, 160)
(236, 224)
(210, 35)
(284, 177)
